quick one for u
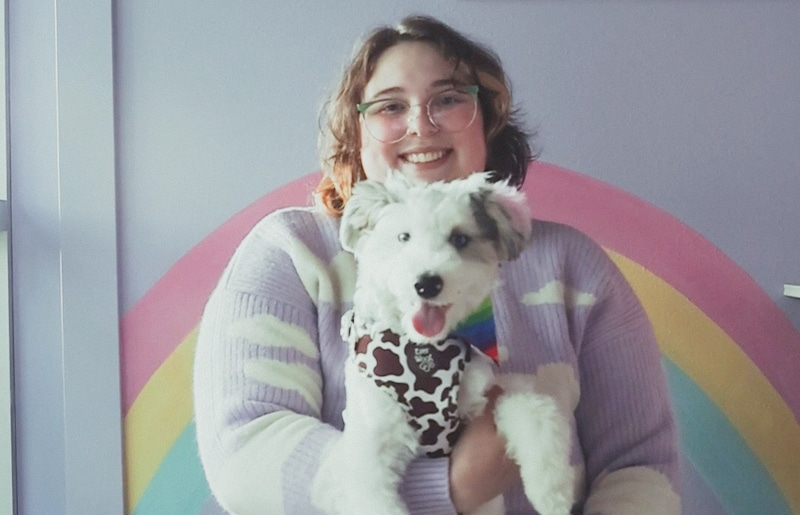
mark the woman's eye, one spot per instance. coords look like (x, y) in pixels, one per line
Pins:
(403, 236)
(448, 99)
(459, 240)
(391, 108)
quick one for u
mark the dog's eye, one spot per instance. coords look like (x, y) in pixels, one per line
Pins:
(459, 240)
(403, 236)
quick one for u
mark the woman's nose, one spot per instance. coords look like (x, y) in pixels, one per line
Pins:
(419, 122)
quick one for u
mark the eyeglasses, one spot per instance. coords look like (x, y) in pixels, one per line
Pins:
(451, 110)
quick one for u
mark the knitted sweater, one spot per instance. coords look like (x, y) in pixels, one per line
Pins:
(269, 382)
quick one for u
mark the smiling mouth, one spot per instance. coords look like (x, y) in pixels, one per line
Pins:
(424, 157)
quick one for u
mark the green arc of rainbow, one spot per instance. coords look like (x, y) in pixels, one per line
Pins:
(730, 355)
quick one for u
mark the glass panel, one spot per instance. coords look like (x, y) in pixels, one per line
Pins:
(3, 116)
(6, 454)
(6, 427)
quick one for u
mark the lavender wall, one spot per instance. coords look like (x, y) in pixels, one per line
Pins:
(692, 106)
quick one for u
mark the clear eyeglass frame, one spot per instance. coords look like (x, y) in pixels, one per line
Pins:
(471, 90)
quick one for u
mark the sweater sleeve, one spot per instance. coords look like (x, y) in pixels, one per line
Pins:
(624, 418)
(268, 386)
(257, 381)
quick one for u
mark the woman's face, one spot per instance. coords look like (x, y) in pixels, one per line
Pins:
(414, 72)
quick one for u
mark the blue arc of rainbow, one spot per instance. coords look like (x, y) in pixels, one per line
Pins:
(730, 354)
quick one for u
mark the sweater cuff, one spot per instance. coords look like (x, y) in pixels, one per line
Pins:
(426, 487)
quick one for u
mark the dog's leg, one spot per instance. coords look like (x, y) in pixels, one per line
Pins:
(478, 378)
(363, 470)
(538, 440)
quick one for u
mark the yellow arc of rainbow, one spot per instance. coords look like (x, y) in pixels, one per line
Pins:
(748, 385)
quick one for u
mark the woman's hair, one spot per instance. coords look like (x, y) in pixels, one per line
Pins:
(508, 150)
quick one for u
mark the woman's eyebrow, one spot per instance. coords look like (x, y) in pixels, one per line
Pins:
(388, 91)
(451, 82)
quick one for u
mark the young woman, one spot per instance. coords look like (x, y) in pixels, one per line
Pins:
(269, 395)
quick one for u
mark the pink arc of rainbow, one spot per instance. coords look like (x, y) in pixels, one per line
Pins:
(682, 258)
(642, 239)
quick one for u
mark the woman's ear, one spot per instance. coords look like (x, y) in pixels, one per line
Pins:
(361, 211)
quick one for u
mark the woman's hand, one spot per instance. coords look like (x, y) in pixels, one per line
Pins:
(480, 470)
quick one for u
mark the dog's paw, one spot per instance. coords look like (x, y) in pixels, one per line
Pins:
(547, 476)
(477, 381)
(557, 504)
(361, 500)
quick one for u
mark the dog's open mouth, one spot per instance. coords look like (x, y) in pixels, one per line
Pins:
(430, 320)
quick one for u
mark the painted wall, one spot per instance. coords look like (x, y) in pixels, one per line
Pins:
(689, 105)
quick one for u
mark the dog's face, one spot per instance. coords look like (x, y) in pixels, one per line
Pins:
(428, 254)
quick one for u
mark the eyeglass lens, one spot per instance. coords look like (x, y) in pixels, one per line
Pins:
(452, 110)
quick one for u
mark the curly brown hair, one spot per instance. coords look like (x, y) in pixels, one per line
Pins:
(508, 149)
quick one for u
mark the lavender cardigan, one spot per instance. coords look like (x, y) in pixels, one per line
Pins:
(268, 377)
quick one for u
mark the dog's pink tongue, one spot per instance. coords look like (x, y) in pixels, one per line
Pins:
(429, 320)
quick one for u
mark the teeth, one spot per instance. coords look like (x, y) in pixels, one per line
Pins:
(425, 157)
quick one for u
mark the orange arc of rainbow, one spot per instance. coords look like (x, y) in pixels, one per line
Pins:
(157, 385)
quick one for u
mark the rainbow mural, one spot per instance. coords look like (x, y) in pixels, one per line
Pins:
(732, 357)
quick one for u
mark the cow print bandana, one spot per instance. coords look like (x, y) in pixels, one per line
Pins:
(422, 377)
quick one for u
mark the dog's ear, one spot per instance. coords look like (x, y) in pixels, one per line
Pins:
(360, 213)
(504, 216)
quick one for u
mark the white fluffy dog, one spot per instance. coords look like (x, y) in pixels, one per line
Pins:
(427, 257)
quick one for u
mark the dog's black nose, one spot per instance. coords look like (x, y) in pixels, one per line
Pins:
(429, 286)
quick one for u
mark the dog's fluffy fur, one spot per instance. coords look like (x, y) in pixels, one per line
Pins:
(402, 232)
